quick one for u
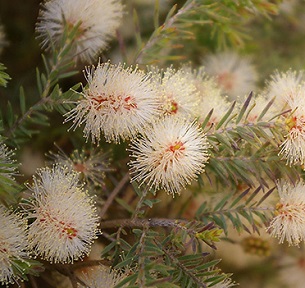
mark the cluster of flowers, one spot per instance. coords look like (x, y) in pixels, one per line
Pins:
(57, 222)
(171, 149)
(235, 74)
(160, 112)
(95, 23)
(122, 103)
(288, 89)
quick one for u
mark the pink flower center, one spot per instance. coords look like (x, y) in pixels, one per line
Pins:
(177, 146)
(289, 211)
(115, 103)
(174, 107)
(79, 167)
(296, 123)
(226, 80)
(65, 229)
(171, 107)
(173, 152)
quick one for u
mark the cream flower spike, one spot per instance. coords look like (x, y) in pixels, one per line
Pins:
(65, 219)
(284, 86)
(170, 155)
(13, 239)
(98, 19)
(209, 95)
(178, 94)
(293, 147)
(235, 74)
(101, 277)
(288, 223)
(91, 164)
(118, 103)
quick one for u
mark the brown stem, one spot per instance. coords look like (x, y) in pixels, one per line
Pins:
(141, 262)
(64, 268)
(139, 204)
(188, 272)
(133, 223)
(89, 263)
(113, 194)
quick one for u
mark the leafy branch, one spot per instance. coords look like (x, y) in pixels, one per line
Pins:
(220, 18)
(4, 77)
(59, 66)
(241, 210)
(162, 260)
(244, 150)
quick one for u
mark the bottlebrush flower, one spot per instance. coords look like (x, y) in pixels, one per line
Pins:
(13, 245)
(218, 103)
(289, 220)
(291, 272)
(284, 86)
(170, 154)
(235, 74)
(90, 164)
(177, 91)
(118, 103)
(97, 20)
(293, 148)
(65, 221)
(101, 276)
(209, 95)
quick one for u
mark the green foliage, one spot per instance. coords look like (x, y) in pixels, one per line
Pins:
(30, 119)
(244, 211)
(4, 77)
(157, 260)
(23, 268)
(247, 151)
(219, 19)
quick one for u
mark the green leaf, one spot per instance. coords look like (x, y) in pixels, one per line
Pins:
(226, 116)
(4, 77)
(22, 101)
(244, 108)
(108, 248)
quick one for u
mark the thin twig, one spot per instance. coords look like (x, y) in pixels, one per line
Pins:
(188, 272)
(153, 222)
(236, 210)
(107, 236)
(141, 262)
(63, 268)
(113, 194)
(89, 263)
(139, 204)
(166, 25)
